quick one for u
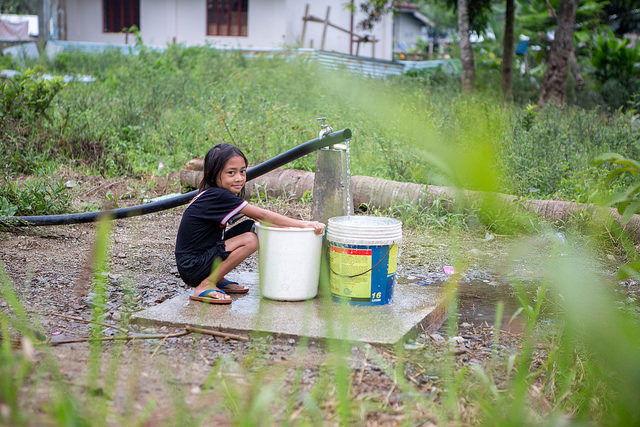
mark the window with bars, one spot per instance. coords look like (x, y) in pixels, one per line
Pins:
(227, 17)
(119, 14)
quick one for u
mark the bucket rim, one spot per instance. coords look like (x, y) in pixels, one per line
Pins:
(286, 229)
(389, 222)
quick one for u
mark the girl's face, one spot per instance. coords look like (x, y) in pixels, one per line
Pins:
(233, 175)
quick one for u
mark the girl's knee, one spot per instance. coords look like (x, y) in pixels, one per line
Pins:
(251, 240)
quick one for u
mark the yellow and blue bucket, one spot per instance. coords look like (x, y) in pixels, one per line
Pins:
(363, 257)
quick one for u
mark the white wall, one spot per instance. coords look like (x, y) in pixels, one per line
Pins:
(271, 24)
(84, 23)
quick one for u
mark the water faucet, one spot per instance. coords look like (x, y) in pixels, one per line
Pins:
(325, 129)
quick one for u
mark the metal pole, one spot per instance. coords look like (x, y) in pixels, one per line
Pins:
(330, 186)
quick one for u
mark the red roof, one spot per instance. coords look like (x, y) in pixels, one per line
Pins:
(406, 5)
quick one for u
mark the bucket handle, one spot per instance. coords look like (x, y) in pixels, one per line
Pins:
(366, 271)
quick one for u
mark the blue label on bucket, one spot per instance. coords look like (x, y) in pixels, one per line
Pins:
(363, 275)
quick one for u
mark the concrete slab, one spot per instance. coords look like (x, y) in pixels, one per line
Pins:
(414, 308)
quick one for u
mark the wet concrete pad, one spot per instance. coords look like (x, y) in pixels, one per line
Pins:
(414, 308)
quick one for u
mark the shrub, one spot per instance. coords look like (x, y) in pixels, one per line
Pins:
(34, 197)
(617, 69)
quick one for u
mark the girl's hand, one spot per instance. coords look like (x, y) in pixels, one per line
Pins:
(318, 227)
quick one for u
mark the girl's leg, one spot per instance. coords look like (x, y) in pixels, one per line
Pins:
(240, 247)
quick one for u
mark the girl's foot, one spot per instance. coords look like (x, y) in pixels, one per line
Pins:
(231, 287)
(211, 296)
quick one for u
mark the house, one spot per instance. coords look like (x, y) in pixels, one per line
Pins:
(412, 31)
(247, 24)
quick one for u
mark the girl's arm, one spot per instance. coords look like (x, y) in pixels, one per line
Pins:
(264, 215)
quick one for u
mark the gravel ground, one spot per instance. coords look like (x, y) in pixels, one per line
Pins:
(50, 268)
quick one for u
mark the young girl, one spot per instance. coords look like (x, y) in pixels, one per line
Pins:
(203, 244)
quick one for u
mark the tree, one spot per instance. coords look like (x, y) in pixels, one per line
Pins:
(24, 7)
(507, 49)
(466, 53)
(554, 83)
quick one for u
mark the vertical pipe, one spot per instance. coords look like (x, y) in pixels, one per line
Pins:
(330, 186)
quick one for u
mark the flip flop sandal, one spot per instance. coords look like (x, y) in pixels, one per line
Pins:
(204, 298)
(224, 285)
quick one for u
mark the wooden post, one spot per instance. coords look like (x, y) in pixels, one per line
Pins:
(373, 47)
(304, 25)
(324, 30)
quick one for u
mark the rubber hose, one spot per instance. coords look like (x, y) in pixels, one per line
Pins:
(182, 199)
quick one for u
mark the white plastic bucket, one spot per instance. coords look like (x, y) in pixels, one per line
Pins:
(288, 262)
(363, 256)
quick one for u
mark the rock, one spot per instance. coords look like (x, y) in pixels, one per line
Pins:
(70, 184)
(457, 339)
(437, 338)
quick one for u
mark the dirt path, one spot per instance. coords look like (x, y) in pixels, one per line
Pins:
(50, 268)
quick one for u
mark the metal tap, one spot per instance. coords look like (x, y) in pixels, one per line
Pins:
(325, 129)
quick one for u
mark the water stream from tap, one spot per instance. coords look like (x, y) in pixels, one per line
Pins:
(348, 200)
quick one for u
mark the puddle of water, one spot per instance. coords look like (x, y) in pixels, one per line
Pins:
(477, 299)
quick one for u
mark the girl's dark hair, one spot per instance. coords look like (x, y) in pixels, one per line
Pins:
(214, 162)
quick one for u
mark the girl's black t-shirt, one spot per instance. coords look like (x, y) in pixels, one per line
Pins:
(203, 222)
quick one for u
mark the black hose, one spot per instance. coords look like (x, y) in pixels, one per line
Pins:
(182, 199)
